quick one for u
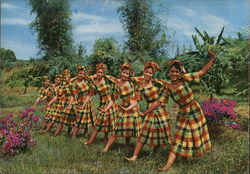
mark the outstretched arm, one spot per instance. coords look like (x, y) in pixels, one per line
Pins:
(37, 100)
(208, 65)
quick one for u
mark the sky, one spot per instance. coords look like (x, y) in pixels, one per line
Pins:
(93, 19)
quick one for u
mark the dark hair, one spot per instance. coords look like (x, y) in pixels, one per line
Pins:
(176, 65)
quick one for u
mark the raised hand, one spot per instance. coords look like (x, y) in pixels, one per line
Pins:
(212, 54)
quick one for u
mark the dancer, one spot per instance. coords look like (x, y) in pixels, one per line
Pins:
(107, 110)
(85, 115)
(53, 112)
(44, 95)
(129, 122)
(156, 130)
(191, 137)
(65, 109)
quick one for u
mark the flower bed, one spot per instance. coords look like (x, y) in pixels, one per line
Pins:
(15, 132)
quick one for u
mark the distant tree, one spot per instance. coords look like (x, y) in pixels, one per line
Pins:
(106, 50)
(6, 57)
(144, 31)
(53, 27)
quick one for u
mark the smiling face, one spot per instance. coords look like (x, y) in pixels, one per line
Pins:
(57, 81)
(174, 73)
(47, 83)
(148, 73)
(125, 74)
(100, 73)
(81, 75)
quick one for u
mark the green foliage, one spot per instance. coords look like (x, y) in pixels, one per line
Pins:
(53, 27)
(106, 51)
(221, 71)
(6, 57)
(146, 39)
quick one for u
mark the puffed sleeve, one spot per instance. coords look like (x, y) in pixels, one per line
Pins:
(192, 77)
(163, 93)
(112, 79)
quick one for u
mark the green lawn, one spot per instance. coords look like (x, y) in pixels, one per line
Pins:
(61, 154)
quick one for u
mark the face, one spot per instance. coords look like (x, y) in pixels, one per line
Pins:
(148, 73)
(57, 81)
(81, 75)
(174, 73)
(125, 74)
(100, 73)
(47, 82)
(66, 78)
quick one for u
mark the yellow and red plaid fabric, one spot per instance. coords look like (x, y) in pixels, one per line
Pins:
(42, 93)
(105, 121)
(54, 112)
(67, 115)
(156, 130)
(129, 123)
(85, 116)
(191, 136)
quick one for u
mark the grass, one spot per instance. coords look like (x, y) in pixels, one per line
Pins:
(61, 154)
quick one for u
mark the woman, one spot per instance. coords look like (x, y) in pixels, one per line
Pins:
(52, 106)
(65, 109)
(191, 137)
(129, 122)
(81, 89)
(107, 110)
(156, 127)
(44, 95)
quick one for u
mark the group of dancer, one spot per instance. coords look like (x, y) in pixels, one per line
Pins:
(69, 103)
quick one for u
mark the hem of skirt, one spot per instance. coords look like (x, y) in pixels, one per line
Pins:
(191, 156)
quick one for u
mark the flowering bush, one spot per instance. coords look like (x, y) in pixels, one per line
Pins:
(15, 136)
(216, 110)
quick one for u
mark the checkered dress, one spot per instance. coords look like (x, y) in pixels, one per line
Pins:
(67, 116)
(191, 137)
(84, 117)
(105, 121)
(52, 109)
(156, 126)
(128, 123)
(42, 93)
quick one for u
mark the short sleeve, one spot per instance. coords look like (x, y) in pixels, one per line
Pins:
(137, 79)
(192, 77)
(163, 93)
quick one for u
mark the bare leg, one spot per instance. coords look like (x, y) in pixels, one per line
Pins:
(69, 130)
(58, 129)
(92, 138)
(110, 142)
(138, 148)
(171, 159)
(44, 124)
(75, 131)
(105, 138)
(49, 126)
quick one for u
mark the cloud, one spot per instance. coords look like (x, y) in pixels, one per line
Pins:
(84, 16)
(102, 28)
(9, 6)
(15, 21)
(19, 47)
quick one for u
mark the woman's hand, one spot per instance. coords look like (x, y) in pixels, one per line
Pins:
(141, 113)
(102, 110)
(123, 108)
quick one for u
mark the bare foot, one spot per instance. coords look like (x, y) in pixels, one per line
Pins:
(104, 150)
(166, 167)
(131, 159)
(85, 143)
(41, 132)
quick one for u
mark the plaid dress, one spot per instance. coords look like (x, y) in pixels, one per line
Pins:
(105, 121)
(42, 93)
(84, 117)
(52, 110)
(66, 115)
(156, 126)
(191, 137)
(128, 123)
